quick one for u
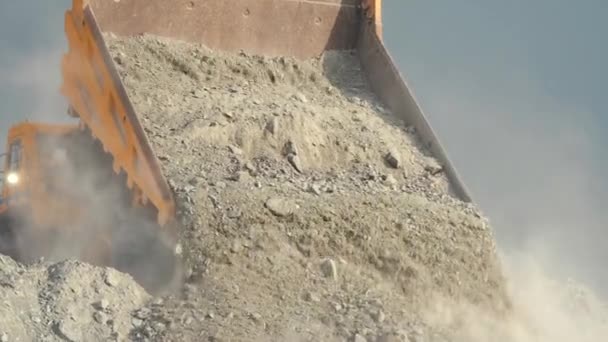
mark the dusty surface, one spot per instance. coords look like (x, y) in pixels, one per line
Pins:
(67, 301)
(309, 212)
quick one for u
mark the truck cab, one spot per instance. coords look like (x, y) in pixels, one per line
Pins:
(12, 174)
(31, 203)
(10, 184)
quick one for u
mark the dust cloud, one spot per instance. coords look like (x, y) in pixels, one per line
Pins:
(33, 43)
(531, 164)
(37, 79)
(544, 308)
(86, 214)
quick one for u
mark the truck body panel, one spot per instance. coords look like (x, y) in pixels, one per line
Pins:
(298, 28)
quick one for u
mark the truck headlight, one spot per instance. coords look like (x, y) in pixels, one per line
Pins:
(12, 178)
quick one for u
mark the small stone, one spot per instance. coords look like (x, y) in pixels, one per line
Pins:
(359, 338)
(4, 337)
(312, 297)
(255, 316)
(99, 317)
(392, 159)
(198, 93)
(215, 338)
(120, 58)
(290, 148)
(178, 249)
(378, 316)
(159, 326)
(103, 304)
(301, 97)
(432, 166)
(329, 188)
(251, 168)
(234, 213)
(235, 149)
(242, 176)
(143, 313)
(236, 246)
(329, 269)
(390, 180)
(136, 322)
(388, 337)
(294, 160)
(272, 125)
(314, 188)
(70, 331)
(111, 277)
(229, 115)
(280, 207)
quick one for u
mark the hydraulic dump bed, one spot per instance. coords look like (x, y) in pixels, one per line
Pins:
(298, 28)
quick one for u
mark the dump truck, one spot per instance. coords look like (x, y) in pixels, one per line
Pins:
(61, 199)
(32, 191)
(110, 131)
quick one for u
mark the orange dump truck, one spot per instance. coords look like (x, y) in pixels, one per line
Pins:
(109, 125)
(27, 192)
(60, 198)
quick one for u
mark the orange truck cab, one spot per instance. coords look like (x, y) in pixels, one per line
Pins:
(37, 202)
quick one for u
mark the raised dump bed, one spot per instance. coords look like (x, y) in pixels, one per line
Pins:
(275, 145)
(301, 29)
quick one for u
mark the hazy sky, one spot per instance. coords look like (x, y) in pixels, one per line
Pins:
(515, 90)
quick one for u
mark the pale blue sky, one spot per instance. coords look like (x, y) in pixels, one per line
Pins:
(515, 90)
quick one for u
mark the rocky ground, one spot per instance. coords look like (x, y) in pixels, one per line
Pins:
(309, 213)
(66, 301)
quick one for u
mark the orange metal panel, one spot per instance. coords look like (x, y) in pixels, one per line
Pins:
(300, 28)
(30, 193)
(373, 10)
(97, 96)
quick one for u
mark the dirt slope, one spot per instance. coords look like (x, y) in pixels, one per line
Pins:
(310, 213)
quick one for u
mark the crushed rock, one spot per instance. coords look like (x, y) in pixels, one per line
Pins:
(398, 245)
(60, 302)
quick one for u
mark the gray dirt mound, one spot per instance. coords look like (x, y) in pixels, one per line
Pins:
(309, 212)
(66, 301)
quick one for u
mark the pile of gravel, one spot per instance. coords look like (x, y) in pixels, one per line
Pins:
(309, 211)
(67, 301)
